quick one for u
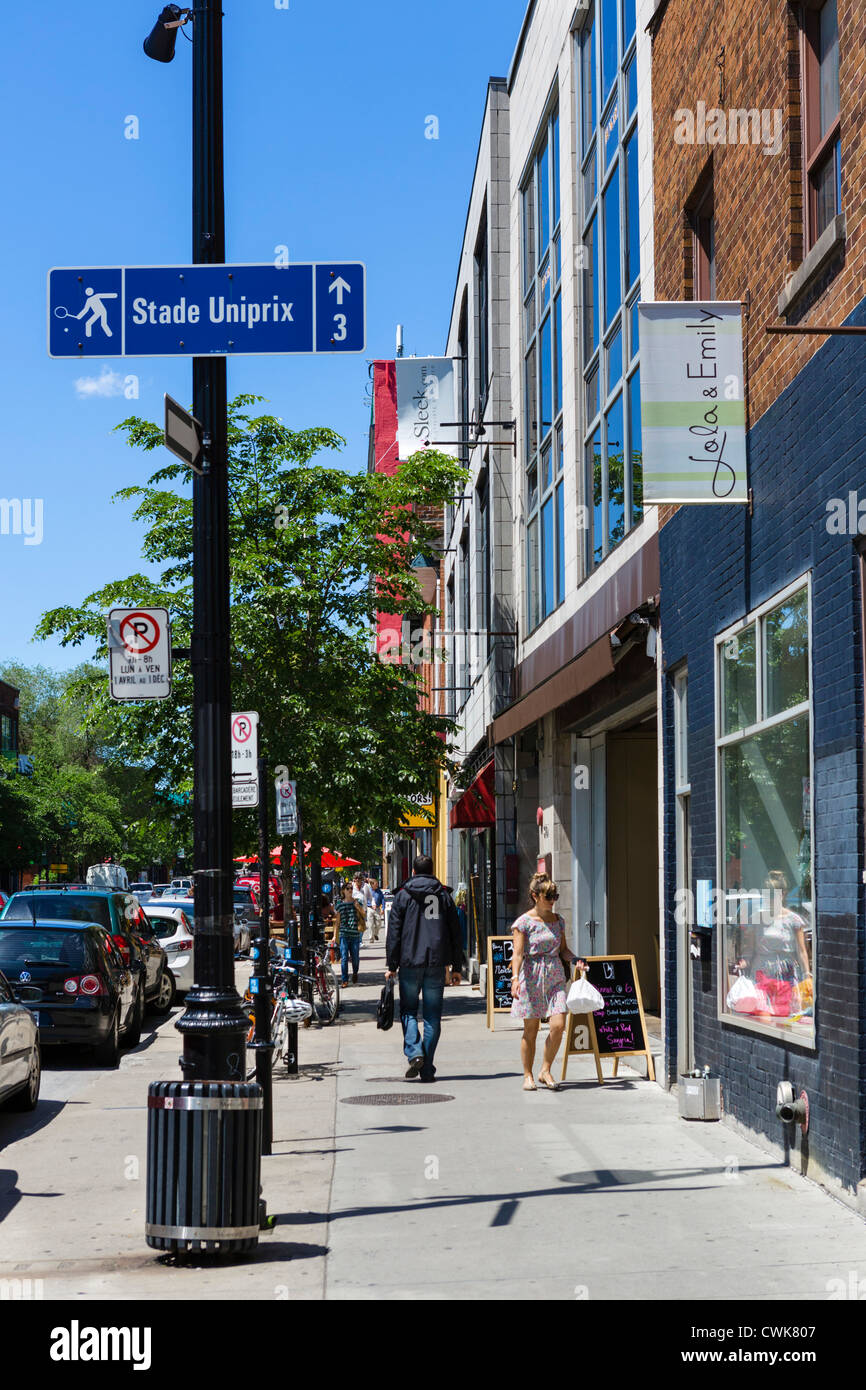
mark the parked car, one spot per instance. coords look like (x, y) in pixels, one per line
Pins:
(79, 988)
(242, 933)
(159, 889)
(121, 915)
(20, 1060)
(174, 931)
(247, 900)
(143, 891)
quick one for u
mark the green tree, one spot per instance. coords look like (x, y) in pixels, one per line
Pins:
(306, 541)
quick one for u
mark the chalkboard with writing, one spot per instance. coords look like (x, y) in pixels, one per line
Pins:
(500, 949)
(617, 1030)
(619, 1027)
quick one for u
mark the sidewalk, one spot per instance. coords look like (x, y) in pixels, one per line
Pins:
(590, 1192)
(474, 1189)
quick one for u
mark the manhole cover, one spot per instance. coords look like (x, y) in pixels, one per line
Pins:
(398, 1098)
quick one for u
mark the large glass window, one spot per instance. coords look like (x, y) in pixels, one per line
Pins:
(765, 820)
(608, 182)
(542, 317)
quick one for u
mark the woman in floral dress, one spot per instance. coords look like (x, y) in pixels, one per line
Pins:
(538, 978)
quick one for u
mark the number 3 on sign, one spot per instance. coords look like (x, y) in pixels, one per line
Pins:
(340, 334)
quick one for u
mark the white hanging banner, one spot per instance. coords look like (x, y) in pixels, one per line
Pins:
(692, 404)
(426, 395)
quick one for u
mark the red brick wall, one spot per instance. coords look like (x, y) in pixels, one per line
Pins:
(758, 197)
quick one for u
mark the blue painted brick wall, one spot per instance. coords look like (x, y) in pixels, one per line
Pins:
(716, 565)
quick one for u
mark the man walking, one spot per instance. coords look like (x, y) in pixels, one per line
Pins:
(375, 909)
(423, 942)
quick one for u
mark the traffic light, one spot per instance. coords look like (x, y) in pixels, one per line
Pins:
(160, 42)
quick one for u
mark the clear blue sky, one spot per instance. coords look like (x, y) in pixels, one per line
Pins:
(325, 153)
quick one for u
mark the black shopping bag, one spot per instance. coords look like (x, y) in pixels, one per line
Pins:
(385, 1009)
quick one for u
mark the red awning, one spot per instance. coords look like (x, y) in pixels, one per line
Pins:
(477, 805)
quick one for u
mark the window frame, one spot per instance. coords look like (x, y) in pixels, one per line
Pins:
(595, 346)
(703, 224)
(541, 272)
(721, 742)
(818, 148)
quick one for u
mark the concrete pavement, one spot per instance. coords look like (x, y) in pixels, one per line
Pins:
(474, 1189)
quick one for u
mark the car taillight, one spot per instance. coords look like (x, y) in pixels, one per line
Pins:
(183, 945)
(122, 948)
(84, 984)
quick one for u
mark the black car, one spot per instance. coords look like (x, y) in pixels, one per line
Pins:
(121, 915)
(78, 987)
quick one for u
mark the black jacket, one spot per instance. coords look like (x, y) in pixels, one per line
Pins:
(423, 927)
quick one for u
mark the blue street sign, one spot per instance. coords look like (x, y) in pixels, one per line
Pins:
(206, 310)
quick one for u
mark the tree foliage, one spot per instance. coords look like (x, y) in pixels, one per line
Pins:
(306, 542)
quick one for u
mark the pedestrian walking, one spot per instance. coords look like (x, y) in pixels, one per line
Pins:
(348, 934)
(538, 978)
(423, 946)
(375, 910)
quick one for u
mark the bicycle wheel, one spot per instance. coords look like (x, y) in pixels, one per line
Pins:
(327, 995)
(279, 1032)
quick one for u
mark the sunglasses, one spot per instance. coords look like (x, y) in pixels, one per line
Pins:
(551, 896)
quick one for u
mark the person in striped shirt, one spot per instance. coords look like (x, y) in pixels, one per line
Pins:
(350, 925)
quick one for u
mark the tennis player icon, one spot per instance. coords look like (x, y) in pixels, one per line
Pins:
(94, 306)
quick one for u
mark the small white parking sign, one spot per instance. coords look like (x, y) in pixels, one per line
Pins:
(139, 649)
(245, 760)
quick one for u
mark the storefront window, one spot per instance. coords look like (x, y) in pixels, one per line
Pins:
(766, 821)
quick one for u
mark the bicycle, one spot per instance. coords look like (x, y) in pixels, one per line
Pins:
(326, 986)
(288, 1009)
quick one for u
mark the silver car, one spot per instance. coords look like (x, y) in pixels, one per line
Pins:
(242, 933)
(20, 1063)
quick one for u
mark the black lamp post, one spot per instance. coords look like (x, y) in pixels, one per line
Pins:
(214, 1025)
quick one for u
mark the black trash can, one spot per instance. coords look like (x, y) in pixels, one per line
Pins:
(204, 1146)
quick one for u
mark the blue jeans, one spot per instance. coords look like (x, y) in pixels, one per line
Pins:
(350, 946)
(428, 985)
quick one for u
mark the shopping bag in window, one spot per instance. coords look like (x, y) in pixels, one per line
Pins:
(583, 998)
(744, 997)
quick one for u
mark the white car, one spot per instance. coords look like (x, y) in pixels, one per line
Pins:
(143, 891)
(174, 931)
(242, 934)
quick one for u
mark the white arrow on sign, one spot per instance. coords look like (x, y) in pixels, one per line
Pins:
(341, 286)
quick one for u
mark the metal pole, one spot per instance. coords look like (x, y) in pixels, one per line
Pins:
(307, 991)
(214, 1026)
(261, 974)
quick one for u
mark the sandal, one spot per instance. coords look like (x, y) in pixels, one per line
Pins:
(531, 1086)
(548, 1084)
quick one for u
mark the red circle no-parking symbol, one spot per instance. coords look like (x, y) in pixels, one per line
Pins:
(241, 728)
(139, 633)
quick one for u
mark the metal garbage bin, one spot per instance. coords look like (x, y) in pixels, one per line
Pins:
(700, 1096)
(204, 1146)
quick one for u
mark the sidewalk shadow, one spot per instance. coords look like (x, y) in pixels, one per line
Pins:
(600, 1181)
(14, 1127)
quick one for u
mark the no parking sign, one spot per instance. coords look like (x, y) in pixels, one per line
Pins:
(139, 649)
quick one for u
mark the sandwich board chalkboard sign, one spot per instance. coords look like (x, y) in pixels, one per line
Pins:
(618, 1030)
(500, 949)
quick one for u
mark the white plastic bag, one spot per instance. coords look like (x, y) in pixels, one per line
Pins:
(583, 998)
(744, 997)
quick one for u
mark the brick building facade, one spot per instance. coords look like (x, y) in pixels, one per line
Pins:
(763, 797)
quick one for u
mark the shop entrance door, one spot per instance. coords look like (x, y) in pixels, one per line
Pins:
(589, 818)
(632, 831)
